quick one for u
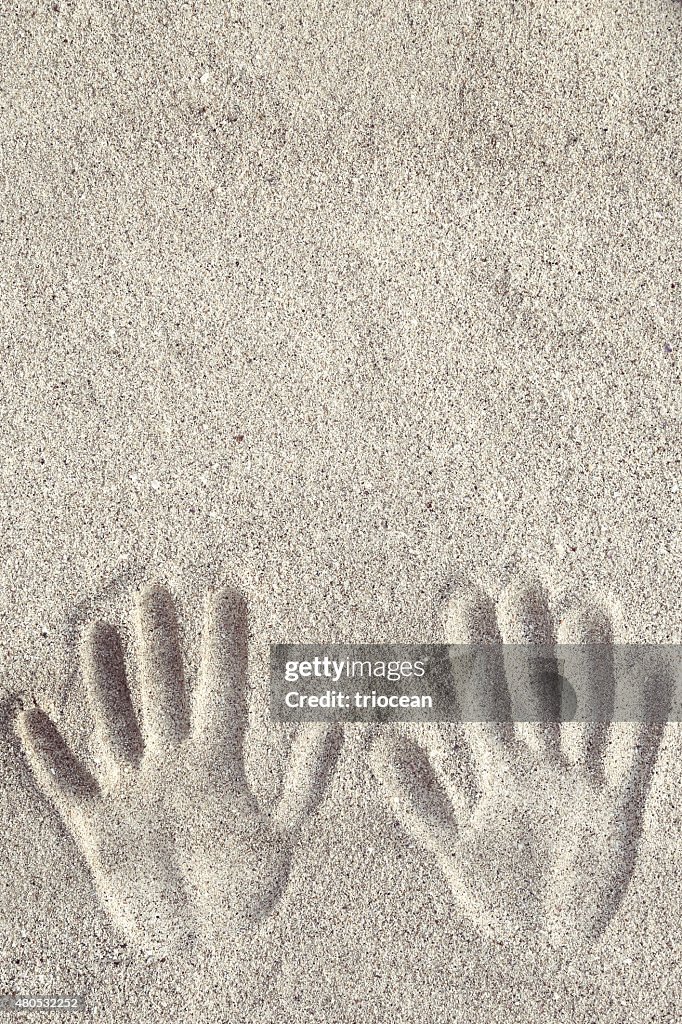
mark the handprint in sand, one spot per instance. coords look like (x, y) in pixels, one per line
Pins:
(535, 826)
(174, 837)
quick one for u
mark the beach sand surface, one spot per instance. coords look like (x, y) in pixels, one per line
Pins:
(350, 308)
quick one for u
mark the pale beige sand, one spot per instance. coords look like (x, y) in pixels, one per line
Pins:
(345, 306)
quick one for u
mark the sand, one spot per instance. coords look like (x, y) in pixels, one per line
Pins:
(348, 308)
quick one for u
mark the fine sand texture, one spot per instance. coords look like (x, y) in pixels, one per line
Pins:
(333, 323)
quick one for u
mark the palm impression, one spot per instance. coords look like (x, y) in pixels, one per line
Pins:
(535, 826)
(175, 839)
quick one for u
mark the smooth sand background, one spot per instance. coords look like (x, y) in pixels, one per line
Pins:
(347, 305)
